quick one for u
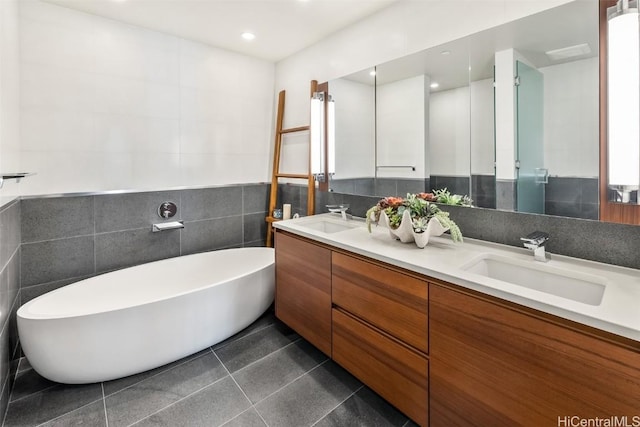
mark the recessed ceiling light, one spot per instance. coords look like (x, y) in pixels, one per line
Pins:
(372, 73)
(434, 85)
(445, 52)
(248, 35)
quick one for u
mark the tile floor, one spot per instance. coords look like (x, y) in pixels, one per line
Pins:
(266, 375)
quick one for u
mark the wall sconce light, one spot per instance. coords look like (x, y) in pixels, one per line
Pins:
(623, 91)
(322, 136)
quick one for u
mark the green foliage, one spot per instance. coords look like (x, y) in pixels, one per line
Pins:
(445, 197)
(420, 210)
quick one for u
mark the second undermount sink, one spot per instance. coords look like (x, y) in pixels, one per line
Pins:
(328, 226)
(564, 283)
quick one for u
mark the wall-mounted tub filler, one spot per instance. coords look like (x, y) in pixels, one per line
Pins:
(167, 210)
(172, 225)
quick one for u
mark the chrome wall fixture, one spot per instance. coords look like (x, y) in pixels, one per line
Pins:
(623, 91)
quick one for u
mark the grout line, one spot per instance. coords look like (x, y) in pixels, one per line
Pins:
(242, 337)
(177, 401)
(31, 394)
(292, 381)
(104, 404)
(265, 356)
(67, 413)
(240, 388)
(243, 412)
(156, 374)
(57, 239)
(335, 407)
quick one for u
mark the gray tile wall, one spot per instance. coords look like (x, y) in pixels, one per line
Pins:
(9, 297)
(65, 239)
(572, 197)
(606, 242)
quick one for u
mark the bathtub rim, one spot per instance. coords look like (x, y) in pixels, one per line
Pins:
(24, 308)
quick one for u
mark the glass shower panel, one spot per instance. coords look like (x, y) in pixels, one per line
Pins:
(531, 175)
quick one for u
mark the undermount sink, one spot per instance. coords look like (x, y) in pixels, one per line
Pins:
(328, 226)
(569, 284)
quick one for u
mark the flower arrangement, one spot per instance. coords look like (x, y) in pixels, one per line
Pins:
(416, 208)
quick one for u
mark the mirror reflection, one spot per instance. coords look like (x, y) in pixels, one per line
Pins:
(508, 116)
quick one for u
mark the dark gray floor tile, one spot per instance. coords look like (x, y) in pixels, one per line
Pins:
(56, 217)
(56, 260)
(309, 398)
(210, 407)
(122, 249)
(411, 424)
(117, 212)
(114, 386)
(24, 364)
(364, 409)
(29, 382)
(242, 352)
(153, 394)
(51, 403)
(91, 416)
(249, 418)
(278, 369)
(267, 318)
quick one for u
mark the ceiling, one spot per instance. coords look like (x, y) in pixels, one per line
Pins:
(282, 27)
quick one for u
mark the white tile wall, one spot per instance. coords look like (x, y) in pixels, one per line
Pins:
(400, 123)
(355, 144)
(450, 136)
(403, 28)
(571, 140)
(109, 106)
(9, 94)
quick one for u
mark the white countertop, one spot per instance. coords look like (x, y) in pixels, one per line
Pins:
(618, 313)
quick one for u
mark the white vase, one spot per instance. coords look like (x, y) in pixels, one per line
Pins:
(406, 234)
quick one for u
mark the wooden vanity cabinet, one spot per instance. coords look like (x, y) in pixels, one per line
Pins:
(303, 288)
(448, 356)
(495, 364)
(380, 331)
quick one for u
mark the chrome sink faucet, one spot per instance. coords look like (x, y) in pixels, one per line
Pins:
(536, 241)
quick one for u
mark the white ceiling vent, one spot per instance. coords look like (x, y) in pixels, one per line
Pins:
(568, 52)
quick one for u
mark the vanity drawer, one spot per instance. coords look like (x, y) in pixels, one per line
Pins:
(393, 370)
(390, 300)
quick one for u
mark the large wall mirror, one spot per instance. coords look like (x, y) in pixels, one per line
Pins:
(508, 116)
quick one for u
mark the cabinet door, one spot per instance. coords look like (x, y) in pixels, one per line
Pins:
(491, 365)
(388, 299)
(394, 371)
(303, 289)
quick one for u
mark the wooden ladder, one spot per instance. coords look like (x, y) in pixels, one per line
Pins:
(276, 175)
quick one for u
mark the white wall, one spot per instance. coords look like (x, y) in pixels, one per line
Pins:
(450, 136)
(9, 95)
(107, 106)
(403, 28)
(482, 128)
(401, 129)
(355, 128)
(571, 108)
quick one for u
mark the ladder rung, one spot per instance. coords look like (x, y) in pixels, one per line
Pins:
(292, 175)
(292, 130)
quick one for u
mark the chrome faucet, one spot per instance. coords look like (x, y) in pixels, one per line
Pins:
(341, 209)
(536, 241)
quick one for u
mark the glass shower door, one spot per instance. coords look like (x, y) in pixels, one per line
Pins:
(531, 174)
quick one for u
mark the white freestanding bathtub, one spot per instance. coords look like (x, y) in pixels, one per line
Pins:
(131, 320)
